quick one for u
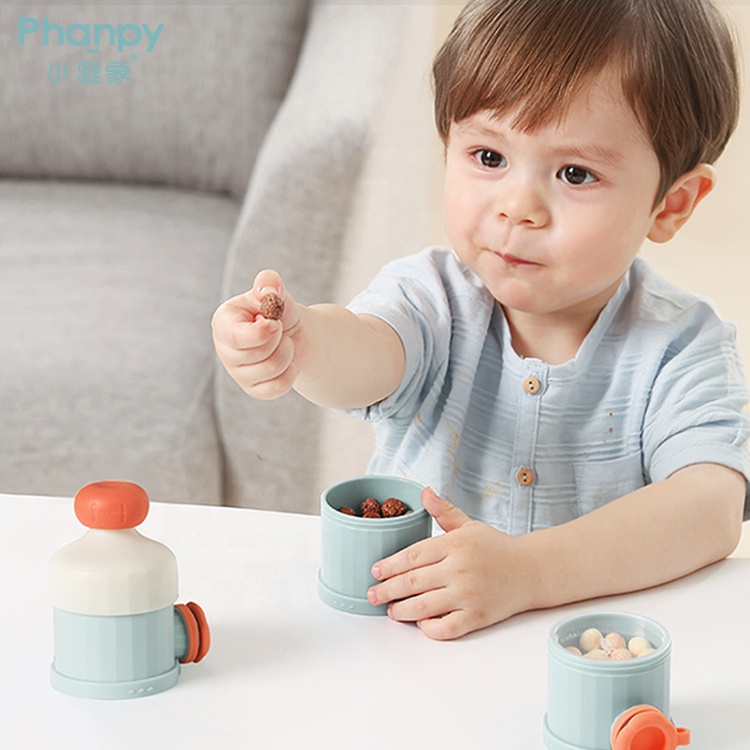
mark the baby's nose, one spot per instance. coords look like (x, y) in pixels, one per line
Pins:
(522, 202)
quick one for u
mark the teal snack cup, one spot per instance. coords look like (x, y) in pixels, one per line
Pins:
(598, 704)
(350, 546)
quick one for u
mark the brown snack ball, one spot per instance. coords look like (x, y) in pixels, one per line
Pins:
(272, 306)
(371, 505)
(347, 511)
(393, 507)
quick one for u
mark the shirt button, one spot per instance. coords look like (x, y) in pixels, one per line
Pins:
(525, 477)
(532, 386)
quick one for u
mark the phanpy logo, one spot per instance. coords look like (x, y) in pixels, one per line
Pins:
(91, 36)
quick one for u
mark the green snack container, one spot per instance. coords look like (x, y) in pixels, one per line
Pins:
(349, 545)
(601, 704)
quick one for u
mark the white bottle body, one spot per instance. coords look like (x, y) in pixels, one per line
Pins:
(113, 572)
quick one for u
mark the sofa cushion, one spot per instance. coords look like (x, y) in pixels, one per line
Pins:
(192, 111)
(106, 356)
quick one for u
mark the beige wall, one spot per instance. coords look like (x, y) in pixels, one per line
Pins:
(446, 15)
(711, 254)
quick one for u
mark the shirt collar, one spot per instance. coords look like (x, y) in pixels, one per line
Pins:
(587, 349)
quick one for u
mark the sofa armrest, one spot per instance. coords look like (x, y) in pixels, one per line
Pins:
(295, 219)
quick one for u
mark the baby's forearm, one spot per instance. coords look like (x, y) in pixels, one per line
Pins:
(346, 360)
(654, 535)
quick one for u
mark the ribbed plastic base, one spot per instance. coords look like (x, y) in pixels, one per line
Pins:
(352, 604)
(115, 690)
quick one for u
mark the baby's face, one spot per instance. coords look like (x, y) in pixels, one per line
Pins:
(551, 219)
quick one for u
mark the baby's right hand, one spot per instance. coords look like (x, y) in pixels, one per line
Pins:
(260, 354)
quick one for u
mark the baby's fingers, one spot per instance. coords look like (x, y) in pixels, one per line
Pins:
(249, 343)
(268, 281)
(236, 325)
(453, 624)
(418, 555)
(271, 378)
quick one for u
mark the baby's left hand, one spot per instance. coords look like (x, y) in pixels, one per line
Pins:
(463, 580)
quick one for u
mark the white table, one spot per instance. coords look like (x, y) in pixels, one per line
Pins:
(286, 671)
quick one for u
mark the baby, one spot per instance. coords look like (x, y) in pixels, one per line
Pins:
(577, 419)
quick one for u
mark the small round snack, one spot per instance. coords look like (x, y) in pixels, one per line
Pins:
(371, 505)
(272, 306)
(613, 646)
(595, 653)
(612, 642)
(347, 511)
(638, 644)
(620, 654)
(393, 507)
(590, 639)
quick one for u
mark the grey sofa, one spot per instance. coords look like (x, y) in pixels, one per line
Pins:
(138, 189)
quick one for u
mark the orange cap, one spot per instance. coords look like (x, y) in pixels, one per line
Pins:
(111, 505)
(646, 728)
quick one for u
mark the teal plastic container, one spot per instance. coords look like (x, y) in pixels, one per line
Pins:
(118, 657)
(349, 546)
(587, 696)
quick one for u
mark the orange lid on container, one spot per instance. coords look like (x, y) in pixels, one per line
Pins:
(111, 505)
(646, 728)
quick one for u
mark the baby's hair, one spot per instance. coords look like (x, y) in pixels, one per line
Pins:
(676, 59)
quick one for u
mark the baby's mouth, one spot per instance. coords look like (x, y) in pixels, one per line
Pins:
(514, 261)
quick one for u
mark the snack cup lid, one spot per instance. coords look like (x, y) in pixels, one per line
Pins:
(111, 505)
(646, 728)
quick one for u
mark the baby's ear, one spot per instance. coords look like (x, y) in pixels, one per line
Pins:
(680, 202)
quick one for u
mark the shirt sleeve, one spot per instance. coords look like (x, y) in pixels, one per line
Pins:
(697, 410)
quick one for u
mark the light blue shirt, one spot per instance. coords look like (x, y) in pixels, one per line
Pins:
(657, 385)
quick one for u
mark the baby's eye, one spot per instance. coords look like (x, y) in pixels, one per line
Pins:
(489, 159)
(573, 175)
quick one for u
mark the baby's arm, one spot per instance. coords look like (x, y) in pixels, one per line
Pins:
(329, 355)
(474, 576)
(659, 533)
